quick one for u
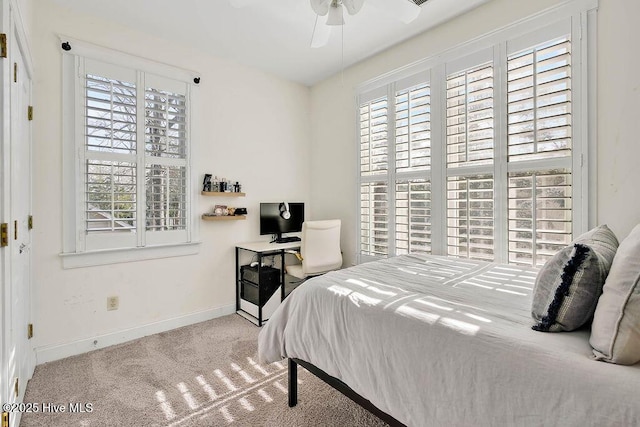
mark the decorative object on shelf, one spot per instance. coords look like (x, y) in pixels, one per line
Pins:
(206, 183)
(220, 210)
(224, 210)
(222, 185)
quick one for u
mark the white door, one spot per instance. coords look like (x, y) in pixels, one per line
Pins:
(19, 349)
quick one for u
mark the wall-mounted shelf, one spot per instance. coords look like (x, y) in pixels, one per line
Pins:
(222, 194)
(223, 217)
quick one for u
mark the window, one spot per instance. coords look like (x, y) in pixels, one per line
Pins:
(129, 153)
(539, 104)
(477, 155)
(470, 157)
(374, 201)
(413, 165)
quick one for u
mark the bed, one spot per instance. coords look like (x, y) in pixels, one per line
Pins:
(432, 341)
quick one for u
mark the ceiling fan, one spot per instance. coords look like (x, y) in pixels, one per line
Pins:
(404, 10)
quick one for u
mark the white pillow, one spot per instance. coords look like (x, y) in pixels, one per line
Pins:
(615, 332)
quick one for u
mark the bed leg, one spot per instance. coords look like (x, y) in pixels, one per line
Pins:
(293, 383)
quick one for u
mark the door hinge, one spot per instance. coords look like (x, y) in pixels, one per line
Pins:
(15, 230)
(15, 72)
(30, 112)
(4, 234)
(3, 45)
(16, 388)
(30, 330)
(5, 419)
(30, 222)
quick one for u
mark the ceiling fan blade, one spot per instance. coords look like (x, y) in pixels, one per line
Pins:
(321, 7)
(353, 6)
(404, 10)
(321, 33)
(238, 4)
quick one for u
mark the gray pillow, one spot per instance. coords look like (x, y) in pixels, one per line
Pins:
(615, 332)
(567, 287)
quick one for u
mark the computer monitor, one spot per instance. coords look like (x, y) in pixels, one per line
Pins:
(281, 217)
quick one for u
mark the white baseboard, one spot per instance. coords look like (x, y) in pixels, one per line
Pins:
(56, 352)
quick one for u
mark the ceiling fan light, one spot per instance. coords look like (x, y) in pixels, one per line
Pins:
(335, 16)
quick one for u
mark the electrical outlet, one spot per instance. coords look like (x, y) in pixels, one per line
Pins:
(112, 303)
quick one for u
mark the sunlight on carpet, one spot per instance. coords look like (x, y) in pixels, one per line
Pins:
(233, 398)
(206, 374)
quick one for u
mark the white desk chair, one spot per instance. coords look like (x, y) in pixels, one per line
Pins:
(319, 250)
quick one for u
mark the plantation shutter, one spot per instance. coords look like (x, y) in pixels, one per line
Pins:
(470, 217)
(374, 176)
(110, 168)
(413, 129)
(413, 216)
(539, 102)
(469, 159)
(539, 150)
(374, 219)
(413, 165)
(539, 215)
(470, 117)
(125, 180)
(373, 138)
(482, 155)
(165, 137)
(165, 154)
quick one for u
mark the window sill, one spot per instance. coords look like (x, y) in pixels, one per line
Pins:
(116, 256)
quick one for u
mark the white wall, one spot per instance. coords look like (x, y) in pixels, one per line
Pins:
(254, 128)
(618, 115)
(333, 174)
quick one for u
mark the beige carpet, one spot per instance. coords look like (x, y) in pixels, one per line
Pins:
(201, 375)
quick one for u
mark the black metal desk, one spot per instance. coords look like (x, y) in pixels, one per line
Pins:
(260, 312)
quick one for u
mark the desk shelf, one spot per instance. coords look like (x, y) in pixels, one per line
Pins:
(223, 217)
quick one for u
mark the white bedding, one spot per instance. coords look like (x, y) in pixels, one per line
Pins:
(435, 341)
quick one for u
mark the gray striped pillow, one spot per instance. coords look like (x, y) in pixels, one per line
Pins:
(568, 286)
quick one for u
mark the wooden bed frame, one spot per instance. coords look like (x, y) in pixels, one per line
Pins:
(338, 385)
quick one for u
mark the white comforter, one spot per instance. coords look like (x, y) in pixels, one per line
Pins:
(435, 341)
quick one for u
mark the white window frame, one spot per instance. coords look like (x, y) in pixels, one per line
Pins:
(146, 245)
(581, 17)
